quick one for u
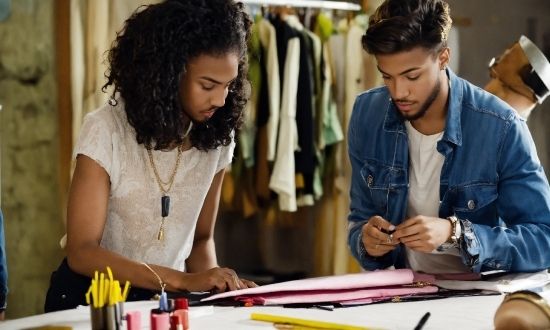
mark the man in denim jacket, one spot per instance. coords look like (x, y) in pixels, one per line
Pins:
(446, 178)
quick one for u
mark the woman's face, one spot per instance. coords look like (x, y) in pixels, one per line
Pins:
(206, 83)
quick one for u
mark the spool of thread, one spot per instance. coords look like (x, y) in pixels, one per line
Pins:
(133, 320)
(182, 303)
(184, 314)
(176, 322)
(160, 321)
(170, 305)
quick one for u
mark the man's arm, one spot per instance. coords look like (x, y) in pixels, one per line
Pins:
(523, 203)
(361, 207)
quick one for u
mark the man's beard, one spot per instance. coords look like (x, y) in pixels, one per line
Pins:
(425, 106)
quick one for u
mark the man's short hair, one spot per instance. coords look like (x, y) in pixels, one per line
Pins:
(401, 25)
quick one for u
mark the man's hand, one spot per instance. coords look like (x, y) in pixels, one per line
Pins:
(423, 234)
(375, 240)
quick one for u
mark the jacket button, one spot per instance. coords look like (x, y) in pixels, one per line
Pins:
(471, 204)
(63, 296)
(370, 180)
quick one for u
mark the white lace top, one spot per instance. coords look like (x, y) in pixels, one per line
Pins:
(134, 210)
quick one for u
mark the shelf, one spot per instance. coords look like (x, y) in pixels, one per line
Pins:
(306, 3)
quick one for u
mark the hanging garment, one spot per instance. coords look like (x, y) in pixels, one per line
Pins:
(268, 39)
(282, 179)
(338, 206)
(255, 74)
(305, 157)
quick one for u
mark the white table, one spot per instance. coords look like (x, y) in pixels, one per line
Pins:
(450, 313)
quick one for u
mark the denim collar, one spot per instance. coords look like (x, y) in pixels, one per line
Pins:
(453, 132)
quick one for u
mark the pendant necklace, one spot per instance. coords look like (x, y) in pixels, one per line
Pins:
(166, 186)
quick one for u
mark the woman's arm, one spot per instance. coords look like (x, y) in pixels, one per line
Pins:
(86, 216)
(203, 254)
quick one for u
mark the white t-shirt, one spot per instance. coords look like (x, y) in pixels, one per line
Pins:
(425, 169)
(134, 210)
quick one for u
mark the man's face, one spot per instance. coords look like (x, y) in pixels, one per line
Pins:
(413, 79)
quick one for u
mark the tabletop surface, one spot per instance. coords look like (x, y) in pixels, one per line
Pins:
(450, 313)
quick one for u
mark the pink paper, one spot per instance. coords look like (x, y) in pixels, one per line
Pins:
(330, 285)
(335, 296)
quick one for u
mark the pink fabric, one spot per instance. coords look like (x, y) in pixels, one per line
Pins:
(377, 284)
(423, 277)
(459, 277)
(334, 296)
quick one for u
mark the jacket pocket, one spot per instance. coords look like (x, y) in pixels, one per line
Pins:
(387, 187)
(474, 197)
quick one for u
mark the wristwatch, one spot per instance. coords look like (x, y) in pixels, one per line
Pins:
(456, 233)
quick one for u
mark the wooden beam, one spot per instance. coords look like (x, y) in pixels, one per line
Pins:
(64, 101)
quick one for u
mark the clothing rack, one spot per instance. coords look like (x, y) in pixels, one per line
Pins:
(307, 3)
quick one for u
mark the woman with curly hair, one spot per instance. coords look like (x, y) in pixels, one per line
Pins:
(150, 163)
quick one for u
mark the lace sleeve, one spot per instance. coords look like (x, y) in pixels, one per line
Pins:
(226, 156)
(95, 142)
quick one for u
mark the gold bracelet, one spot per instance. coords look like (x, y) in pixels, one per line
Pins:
(162, 284)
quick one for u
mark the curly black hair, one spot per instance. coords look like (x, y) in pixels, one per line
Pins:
(399, 25)
(148, 59)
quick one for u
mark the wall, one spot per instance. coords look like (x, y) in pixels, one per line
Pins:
(29, 145)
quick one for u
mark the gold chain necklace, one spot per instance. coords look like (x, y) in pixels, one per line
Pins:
(165, 199)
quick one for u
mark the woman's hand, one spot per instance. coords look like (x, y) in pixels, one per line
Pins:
(376, 234)
(216, 280)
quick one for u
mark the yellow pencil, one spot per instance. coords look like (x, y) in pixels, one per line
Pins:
(95, 291)
(106, 291)
(118, 295)
(88, 294)
(304, 323)
(94, 294)
(110, 274)
(281, 326)
(126, 289)
(101, 296)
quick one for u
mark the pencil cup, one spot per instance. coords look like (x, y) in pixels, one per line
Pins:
(110, 318)
(119, 313)
(97, 316)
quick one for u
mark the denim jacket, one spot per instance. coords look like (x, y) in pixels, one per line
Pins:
(491, 176)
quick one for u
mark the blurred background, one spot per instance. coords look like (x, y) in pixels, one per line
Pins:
(50, 77)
